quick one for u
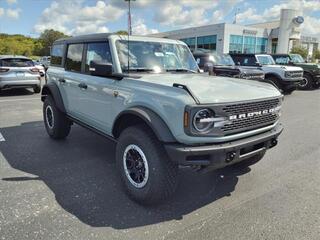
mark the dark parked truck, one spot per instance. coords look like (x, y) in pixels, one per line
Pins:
(286, 78)
(149, 97)
(311, 71)
(223, 65)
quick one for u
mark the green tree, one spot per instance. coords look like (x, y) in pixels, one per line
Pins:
(122, 32)
(47, 38)
(300, 50)
(316, 54)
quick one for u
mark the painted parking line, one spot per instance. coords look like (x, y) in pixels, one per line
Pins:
(19, 99)
(2, 139)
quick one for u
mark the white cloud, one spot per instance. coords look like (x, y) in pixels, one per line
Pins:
(311, 26)
(1, 12)
(140, 28)
(73, 17)
(249, 15)
(13, 13)
(11, 1)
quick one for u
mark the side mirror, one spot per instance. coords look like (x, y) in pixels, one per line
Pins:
(238, 63)
(101, 69)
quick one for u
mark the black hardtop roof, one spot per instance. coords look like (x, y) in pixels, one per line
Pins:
(280, 54)
(242, 54)
(83, 38)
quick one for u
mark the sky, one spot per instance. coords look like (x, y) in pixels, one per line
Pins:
(76, 17)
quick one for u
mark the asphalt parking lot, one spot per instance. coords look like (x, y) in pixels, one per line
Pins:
(70, 189)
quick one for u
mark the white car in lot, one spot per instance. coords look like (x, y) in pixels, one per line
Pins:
(19, 72)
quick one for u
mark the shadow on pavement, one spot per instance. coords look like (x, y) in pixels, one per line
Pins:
(81, 172)
(16, 92)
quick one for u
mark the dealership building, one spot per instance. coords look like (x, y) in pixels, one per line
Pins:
(269, 37)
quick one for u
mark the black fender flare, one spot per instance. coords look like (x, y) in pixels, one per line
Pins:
(153, 120)
(53, 90)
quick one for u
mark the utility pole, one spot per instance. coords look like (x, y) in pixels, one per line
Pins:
(129, 16)
(235, 15)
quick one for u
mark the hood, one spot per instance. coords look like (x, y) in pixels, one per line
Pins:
(215, 89)
(286, 68)
(308, 65)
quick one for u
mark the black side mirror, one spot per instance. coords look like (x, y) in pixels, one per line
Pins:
(101, 69)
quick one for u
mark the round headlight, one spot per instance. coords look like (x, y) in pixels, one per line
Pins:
(203, 120)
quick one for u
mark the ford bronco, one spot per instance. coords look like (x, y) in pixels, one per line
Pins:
(223, 65)
(148, 95)
(311, 71)
(286, 78)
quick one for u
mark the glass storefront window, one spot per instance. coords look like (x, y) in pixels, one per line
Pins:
(191, 42)
(207, 42)
(236, 43)
(261, 45)
(249, 44)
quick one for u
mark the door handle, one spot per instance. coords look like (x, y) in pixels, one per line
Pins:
(61, 80)
(83, 86)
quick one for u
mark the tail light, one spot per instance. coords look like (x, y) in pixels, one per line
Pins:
(35, 70)
(2, 70)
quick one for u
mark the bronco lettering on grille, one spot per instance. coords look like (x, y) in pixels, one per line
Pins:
(252, 114)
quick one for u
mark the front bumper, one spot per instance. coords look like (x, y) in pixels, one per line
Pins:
(218, 156)
(7, 84)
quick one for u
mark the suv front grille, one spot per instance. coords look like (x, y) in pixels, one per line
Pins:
(250, 122)
(294, 74)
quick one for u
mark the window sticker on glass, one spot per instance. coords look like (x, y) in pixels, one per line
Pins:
(159, 54)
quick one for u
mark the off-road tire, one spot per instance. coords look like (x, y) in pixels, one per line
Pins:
(37, 89)
(162, 177)
(308, 82)
(250, 161)
(60, 124)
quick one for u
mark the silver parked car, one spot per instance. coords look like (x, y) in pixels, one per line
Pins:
(19, 72)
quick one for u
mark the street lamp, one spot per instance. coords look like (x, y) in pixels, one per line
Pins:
(129, 16)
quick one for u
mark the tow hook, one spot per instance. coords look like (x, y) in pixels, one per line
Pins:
(230, 156)
(274, 142)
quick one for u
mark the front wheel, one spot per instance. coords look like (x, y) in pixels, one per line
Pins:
(147, 173)
(306, 83)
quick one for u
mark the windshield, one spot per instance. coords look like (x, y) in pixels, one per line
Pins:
(16, 62)
(223, 59)
(155, 56)
(296, 58)
(265, 60)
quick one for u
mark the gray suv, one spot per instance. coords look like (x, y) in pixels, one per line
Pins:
(19, 72)
(148, 95)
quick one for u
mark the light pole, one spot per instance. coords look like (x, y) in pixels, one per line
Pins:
(129, 16)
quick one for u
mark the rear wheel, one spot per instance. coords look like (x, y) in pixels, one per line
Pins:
(37, 89)
(56, 123)
(147, 173)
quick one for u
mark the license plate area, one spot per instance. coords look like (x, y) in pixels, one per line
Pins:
(20, 74)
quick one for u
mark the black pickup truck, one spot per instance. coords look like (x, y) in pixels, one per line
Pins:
(223, 65)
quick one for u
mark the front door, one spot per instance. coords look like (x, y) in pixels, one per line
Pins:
(96, 93)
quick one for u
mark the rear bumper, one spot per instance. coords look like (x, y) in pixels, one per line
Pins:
(220, 155)
(6, 84)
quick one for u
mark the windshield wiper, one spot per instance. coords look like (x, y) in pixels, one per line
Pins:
(180, 70)
(139, 70)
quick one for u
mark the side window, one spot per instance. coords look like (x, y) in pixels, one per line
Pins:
(98, 52)
(56, 55)
(74, 57)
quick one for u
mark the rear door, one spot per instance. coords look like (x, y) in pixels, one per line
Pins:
(97, 93)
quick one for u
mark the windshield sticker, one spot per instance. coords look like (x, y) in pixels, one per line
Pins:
(159, 54)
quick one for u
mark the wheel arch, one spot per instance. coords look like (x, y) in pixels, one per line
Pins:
(53, 90)
(142, 115)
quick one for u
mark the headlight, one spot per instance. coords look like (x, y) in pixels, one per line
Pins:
(203, 120)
